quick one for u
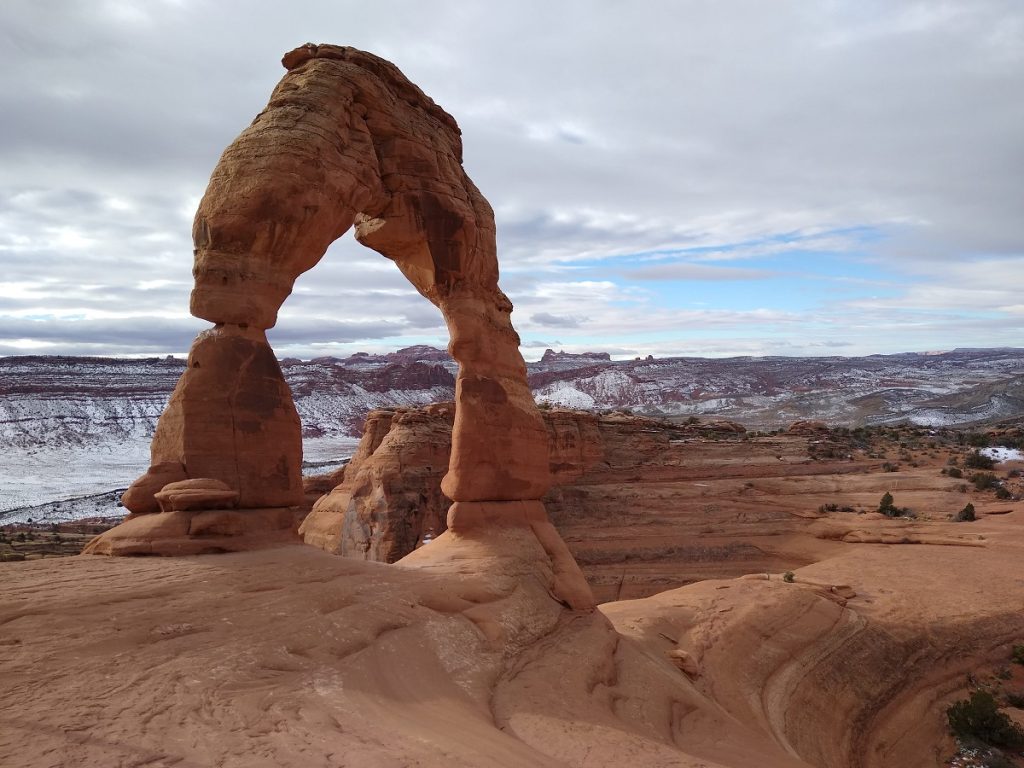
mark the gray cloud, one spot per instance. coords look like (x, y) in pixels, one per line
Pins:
(731, 122)
(556, 321)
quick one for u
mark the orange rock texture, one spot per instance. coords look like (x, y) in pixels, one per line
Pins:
(345, 141)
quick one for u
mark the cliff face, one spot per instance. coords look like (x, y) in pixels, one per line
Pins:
(391, 488)
(387, 501)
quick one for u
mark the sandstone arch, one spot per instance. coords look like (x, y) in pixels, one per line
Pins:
(345, 141)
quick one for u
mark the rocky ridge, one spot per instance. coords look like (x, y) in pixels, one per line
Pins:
(54, 401)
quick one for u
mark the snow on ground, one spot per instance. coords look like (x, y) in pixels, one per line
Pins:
(61, 484)
(1000, 453)
(566, 396)
(322, 454)
(34, 476)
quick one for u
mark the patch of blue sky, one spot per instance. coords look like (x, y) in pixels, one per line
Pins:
(784, 272)
(762, 251)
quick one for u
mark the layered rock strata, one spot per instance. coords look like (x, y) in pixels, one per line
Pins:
(387, 500)
(347, 141)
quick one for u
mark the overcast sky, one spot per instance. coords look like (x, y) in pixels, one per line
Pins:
(713, 178)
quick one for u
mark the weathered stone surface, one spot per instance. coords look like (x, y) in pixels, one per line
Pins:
(390, 497)
(231, 418)
(140, 498)
(179, 533)
(199, 493)
(348, 141)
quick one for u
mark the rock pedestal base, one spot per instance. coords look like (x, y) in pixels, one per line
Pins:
(197, 532)
(512, 539)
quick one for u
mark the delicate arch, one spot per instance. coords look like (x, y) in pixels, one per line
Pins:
(346, 141)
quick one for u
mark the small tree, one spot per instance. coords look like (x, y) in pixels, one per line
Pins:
(886, 506)
(979, 718)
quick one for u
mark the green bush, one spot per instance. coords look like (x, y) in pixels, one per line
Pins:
(978, 461)
(966, 515)
(977, 439)
(979, 718)
(1003, 493)
(1017, 655)
(886, 507)
(789, 577)
(984, 480)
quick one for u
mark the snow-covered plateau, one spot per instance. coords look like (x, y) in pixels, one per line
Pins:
(74, 431)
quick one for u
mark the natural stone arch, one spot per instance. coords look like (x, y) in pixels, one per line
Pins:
(345, 141)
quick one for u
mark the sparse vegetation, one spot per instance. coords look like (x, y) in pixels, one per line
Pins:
(978, 460)
(982, 481)
(1017, 655)
(966, 515)
(979, 718)
(955, 472)
(789, 577)
(888, 508)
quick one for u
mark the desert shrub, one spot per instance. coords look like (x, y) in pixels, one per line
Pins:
(890, 467)
(847, 508)
(977, 439)
(966, 515)
(1013, 473)
(789, 577)
(886, 506)
(1003, 493)
(1017, 655)
(954, 472)
(828, 508)
(978, 461)
(984, 480)
(979, 718)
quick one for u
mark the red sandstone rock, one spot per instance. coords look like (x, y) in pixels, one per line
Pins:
(390, 496)
(180, 533)
(348, 141)
(200, 493)
(140, 497)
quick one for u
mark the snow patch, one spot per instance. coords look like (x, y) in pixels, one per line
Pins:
(1001, 453)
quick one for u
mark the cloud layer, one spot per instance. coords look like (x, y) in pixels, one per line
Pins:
(699, 178)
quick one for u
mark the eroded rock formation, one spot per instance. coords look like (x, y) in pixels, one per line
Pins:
(348, 141)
